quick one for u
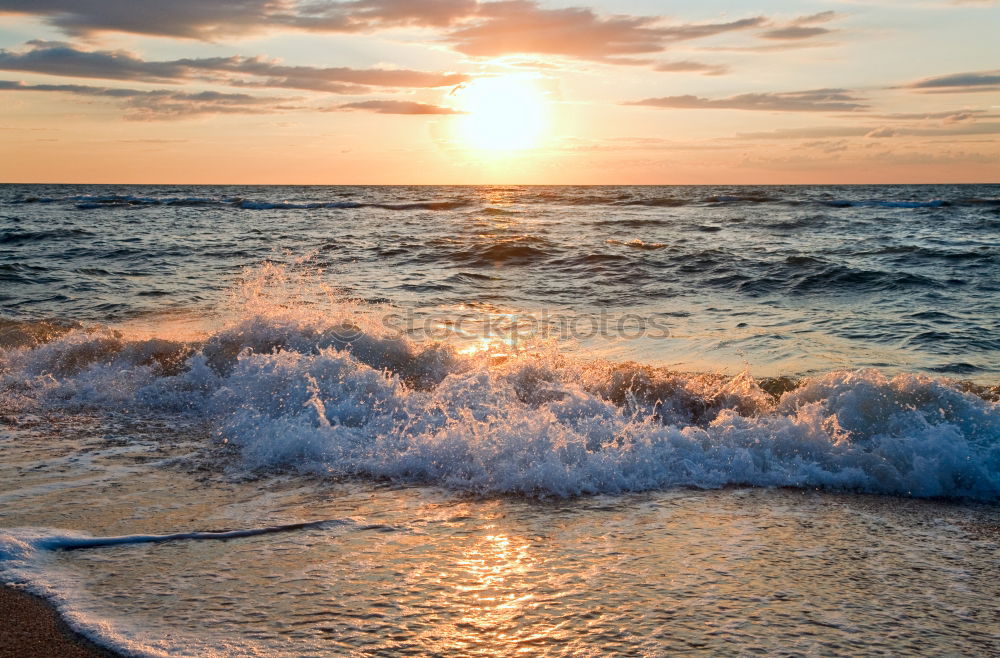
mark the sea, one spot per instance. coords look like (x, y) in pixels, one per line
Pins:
(504, 420)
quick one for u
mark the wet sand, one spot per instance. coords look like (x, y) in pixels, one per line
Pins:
(30, 627)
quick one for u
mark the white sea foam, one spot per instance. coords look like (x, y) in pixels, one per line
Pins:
(329, 392)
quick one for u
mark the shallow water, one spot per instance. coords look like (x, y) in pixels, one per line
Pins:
(531, 420)
(420, 570)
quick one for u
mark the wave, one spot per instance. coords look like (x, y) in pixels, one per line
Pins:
(844, 277)
(639, 244)
(20, 237)
(23, 273)
(499, 212)
(562, 196)
(346, 205)
(937, 203)
(909, 251)
(246, 204)
(751, 197)
(31, 333)
(640, 223)
(336, 394)
(111, 201)
(521, 250)
(657, 202)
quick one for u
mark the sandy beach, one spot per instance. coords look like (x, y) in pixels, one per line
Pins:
(32, 628)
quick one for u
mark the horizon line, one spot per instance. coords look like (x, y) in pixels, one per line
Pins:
(824, 184)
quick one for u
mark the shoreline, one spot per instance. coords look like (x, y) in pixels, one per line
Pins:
(32, 627)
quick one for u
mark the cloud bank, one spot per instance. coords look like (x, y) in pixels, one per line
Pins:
(814, 100)
(485, 29)
(398, 107)
(163, 104)
(958, 83)
(56, 58)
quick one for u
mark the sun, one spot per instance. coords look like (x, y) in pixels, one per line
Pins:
(507, 113)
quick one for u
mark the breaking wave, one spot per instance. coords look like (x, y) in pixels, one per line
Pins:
(334, 393)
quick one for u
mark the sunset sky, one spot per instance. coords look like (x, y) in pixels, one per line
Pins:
(512, 91)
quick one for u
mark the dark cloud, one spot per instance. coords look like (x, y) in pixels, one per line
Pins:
(324, 79)
(212, 19)
(522, 27)
(957, 83)
(501, 27)
(480, 28)
(57, 58)
(398, 107)
(815, 100)
(884, 131)
(795, 32)
(691, 31)
(160, 104)
(691, 67)
(54, 58)
(199, 19)
(367, 15)
(804, 27)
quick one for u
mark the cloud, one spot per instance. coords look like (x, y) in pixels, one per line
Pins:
(949, 116)
(935, 158)
(812, 19)
(178, 18)
(161, 104)
(691, 67)
(326, 79)
(825, 132)
(804, 27)
(960, 117)
(212, 19)
(56, 58)
(812, 132)
(795, 32)
(777, 47)
(471, 27)
(522, 27)
(816, 100)
(958, 83)
(398, 107)
(827, 146)
(367, 15)
(797, 162)
(487, 29)
(943, 118)
(884, 131)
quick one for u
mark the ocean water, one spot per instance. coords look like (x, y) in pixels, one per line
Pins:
(500, 420)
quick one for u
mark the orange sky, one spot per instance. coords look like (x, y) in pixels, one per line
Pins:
(515, 91)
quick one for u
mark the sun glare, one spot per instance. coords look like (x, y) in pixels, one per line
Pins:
(503, 113)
